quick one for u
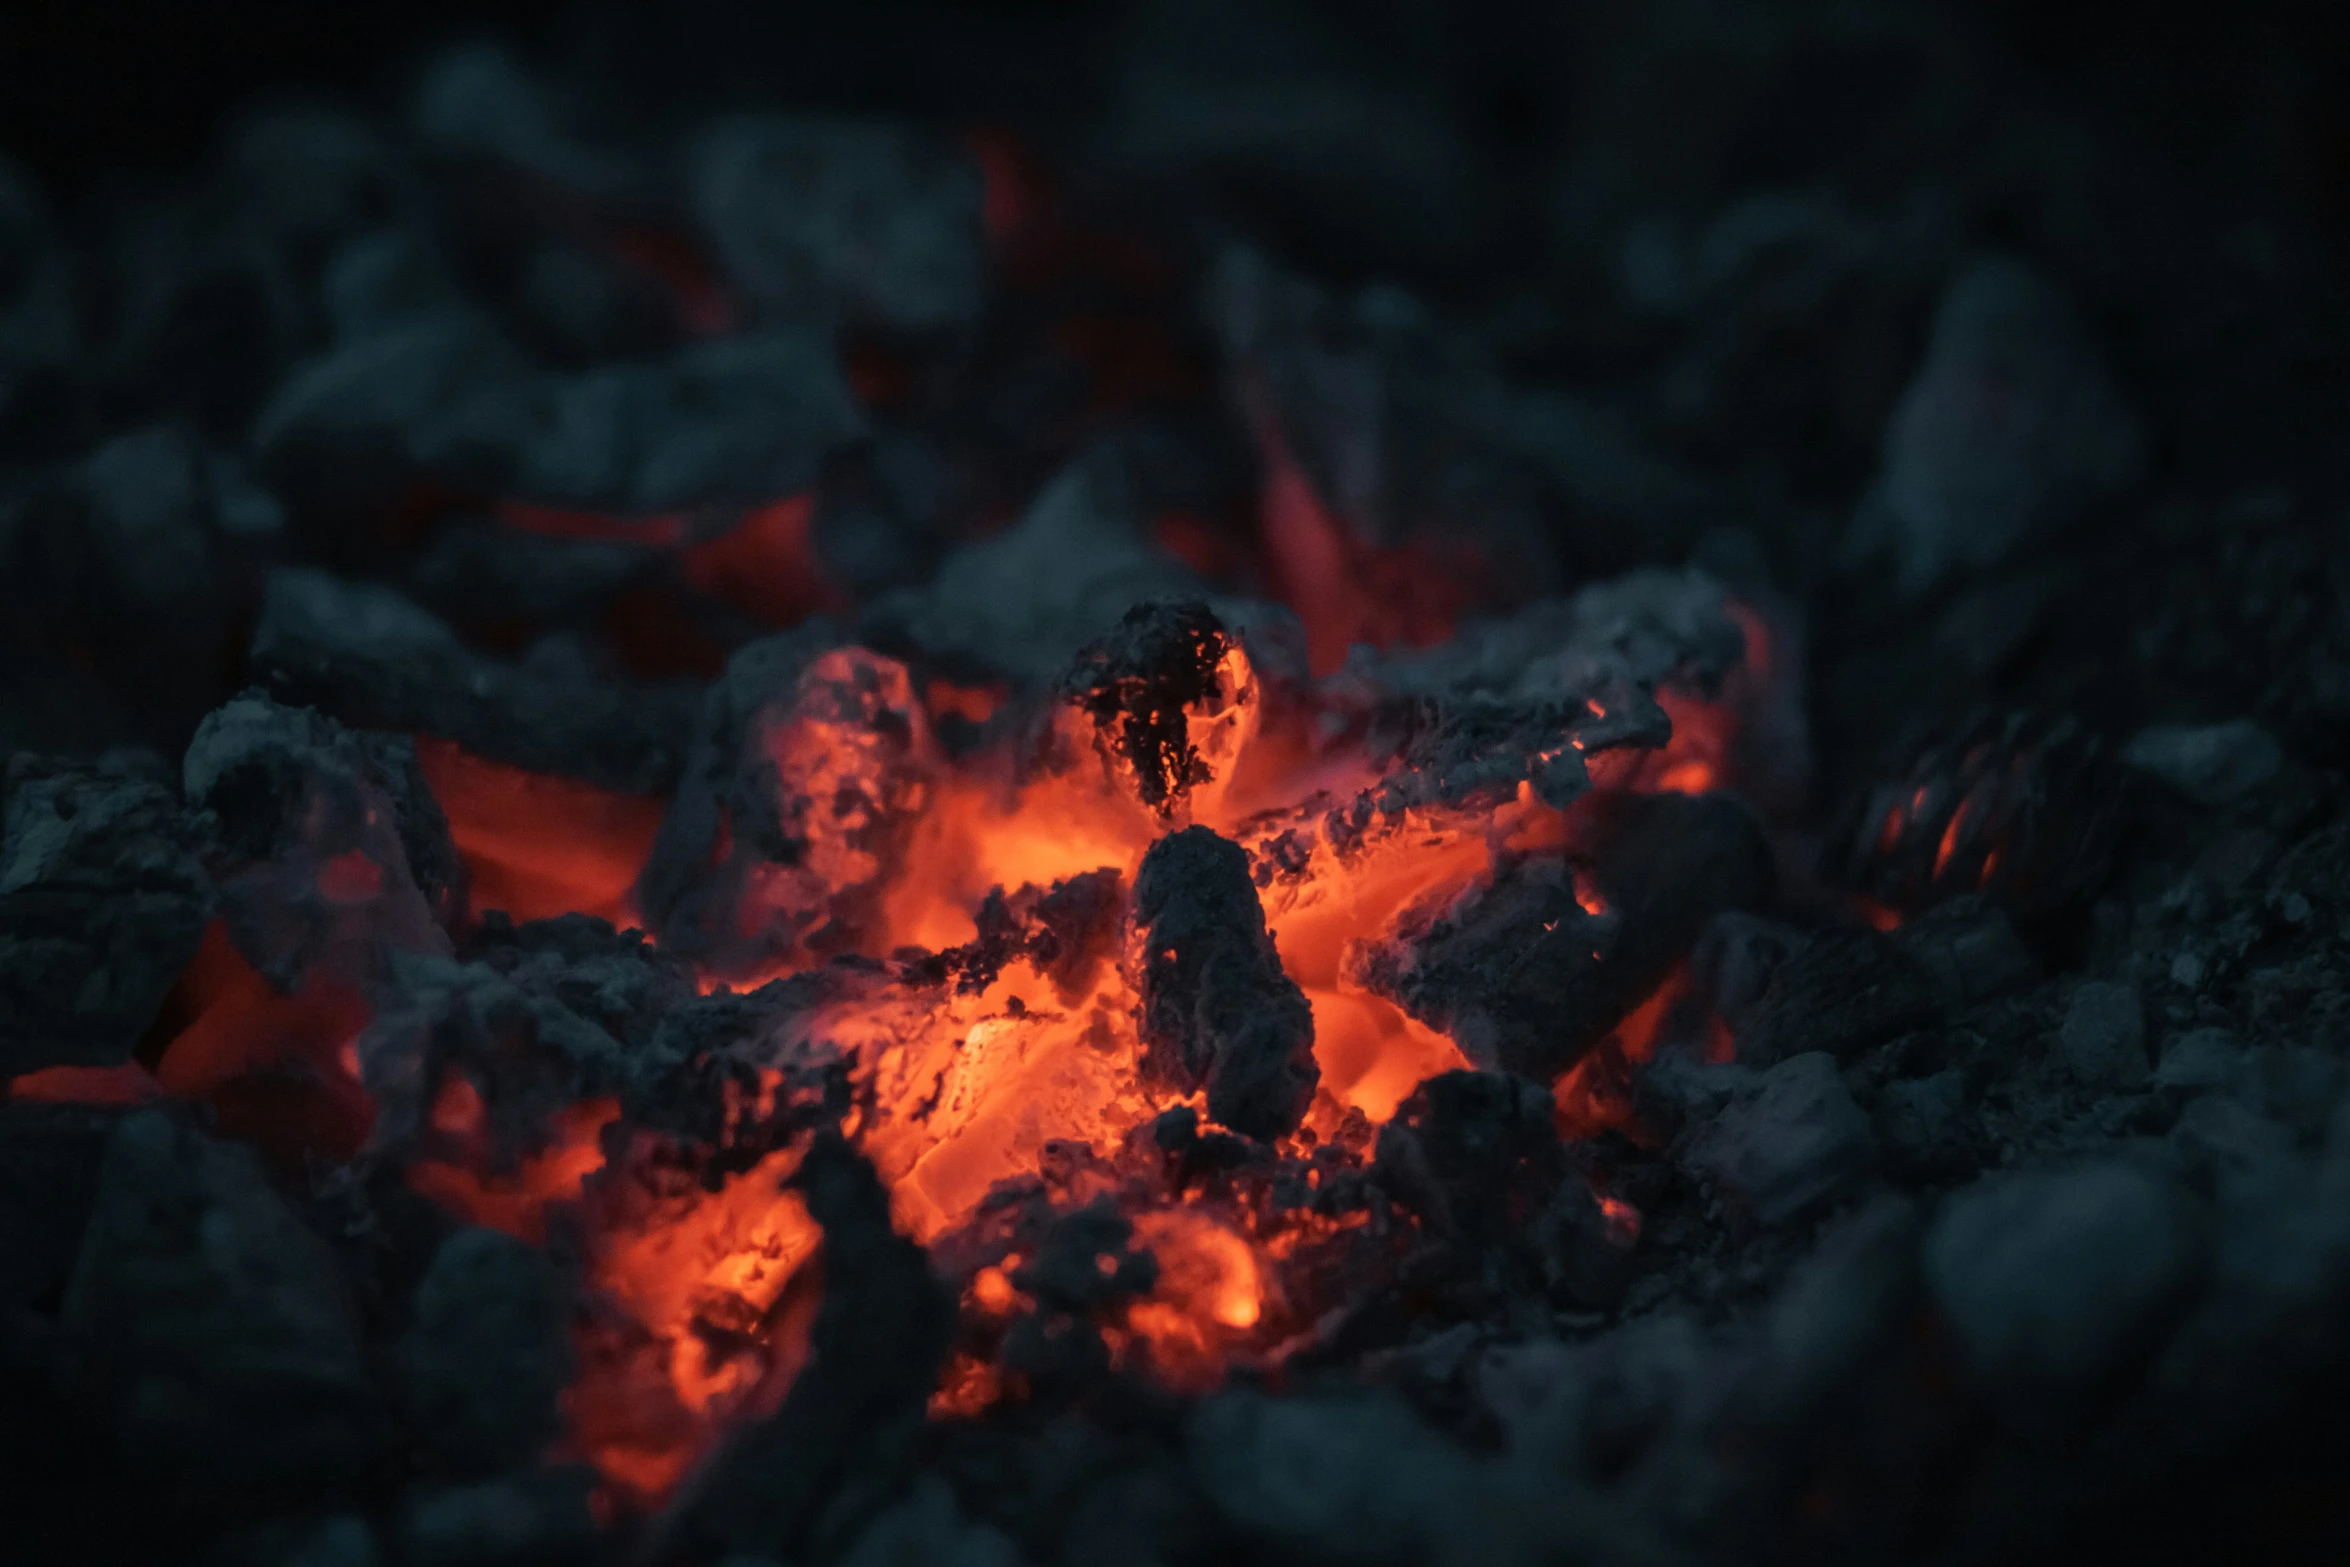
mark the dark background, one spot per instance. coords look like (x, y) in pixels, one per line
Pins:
(137, 86)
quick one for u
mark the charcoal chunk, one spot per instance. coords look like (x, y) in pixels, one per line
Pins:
(836, 1448)
(1534, 696)
(1024, 601)
(485, 1358)
(809, 763)
(1217, 1011)
(1524, 977)
(2021, 807)
(2053, 1282)
(1793, 1142)
(1475, 1152)
(102, 901)
(1135, 685)
(327, 839)
(2010, 428)
(372, 658)
(1850, 991)
(865, 223)
(214, 1327)
(2103, 1041)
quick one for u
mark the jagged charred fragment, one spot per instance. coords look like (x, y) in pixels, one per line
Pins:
(810, 763)
(1063, 932)
(373, 658)
(1538, 696)
(796, 1484)
(1524, 977)
(2023, 807)
(1217, 1011)
(1474, 1153)
(103, 899)
(291, 791)
(1136, 683)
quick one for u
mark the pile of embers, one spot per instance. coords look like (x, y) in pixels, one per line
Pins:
(774, 845)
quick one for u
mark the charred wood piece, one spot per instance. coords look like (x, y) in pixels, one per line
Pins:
(2022, 807)
(1525, 976)
(1217, 1011)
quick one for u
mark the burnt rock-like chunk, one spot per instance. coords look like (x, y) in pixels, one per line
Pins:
(212, 1325)
(1217, 1010)
(809, 766)
(329, 843)
(102, 902)
(1525, 977)
(1136, 683)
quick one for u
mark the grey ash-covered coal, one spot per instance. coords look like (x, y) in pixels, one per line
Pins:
(1473, 784)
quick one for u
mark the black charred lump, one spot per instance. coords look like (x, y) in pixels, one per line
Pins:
(102, 901)
(1525, 977)
(1217, 1010)
(1135, 684)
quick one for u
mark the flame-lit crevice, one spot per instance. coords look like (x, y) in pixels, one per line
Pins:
(536, 846)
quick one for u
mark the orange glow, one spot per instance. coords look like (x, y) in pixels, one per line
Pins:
(1210, 1292)
(1623, 1220)
(113, 1086)
(968, 1070)
(766, 565)
(1594, 1095)
(537, 846)
(1345, 592)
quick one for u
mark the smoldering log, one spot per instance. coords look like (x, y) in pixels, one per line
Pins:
(1525, 977)
(1217, 1009)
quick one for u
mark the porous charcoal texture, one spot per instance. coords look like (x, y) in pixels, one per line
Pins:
(1217, 1011)
(329, 843)
(1519, 971)
(213, 1326)
(812, 761)
(1532, 696)
(103, 898)
(1135, 685)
